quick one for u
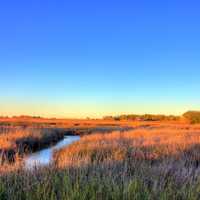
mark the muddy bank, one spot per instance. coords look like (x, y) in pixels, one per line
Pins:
(30, 144)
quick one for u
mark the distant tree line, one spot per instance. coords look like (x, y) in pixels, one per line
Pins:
(191, 116)
(145, 117)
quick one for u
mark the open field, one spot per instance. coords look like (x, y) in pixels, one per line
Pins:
(66, 123)
(155, 160)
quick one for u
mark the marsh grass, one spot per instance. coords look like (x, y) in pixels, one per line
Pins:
(145, 164)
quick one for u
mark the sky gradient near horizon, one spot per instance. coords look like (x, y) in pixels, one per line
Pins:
(93, 58)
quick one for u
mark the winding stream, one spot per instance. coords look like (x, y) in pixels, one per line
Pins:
(44, 157)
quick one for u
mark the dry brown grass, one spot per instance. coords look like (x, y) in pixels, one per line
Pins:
(155, 142)
(156, 161)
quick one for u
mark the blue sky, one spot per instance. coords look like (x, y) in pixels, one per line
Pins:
(93, 58)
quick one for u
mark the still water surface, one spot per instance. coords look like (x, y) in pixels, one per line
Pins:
(44, 157)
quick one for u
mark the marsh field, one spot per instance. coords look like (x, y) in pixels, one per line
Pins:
(112, 159)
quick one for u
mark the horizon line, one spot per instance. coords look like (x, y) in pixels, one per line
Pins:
(88, 117)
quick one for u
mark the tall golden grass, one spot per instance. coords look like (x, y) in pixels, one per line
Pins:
(149, 144)
(16, 141)
(9, 137)
(156, 161)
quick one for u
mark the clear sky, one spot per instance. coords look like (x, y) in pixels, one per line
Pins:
(91, 58)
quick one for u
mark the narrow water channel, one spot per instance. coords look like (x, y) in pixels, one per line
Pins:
(44, 157)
